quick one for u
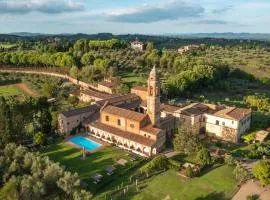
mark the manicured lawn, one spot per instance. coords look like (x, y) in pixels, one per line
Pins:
(70, 157)
(10, 90)
(217, 184)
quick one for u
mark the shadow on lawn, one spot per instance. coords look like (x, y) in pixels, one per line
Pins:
(213, 196)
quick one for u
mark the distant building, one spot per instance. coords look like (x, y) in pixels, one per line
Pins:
(187, 48)
(137, 45)
(109, 85)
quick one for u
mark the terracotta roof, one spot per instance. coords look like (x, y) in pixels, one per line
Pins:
(140, 88)
(108, 84)
(144, 103)
(233, 113)
(79, 111)
(261, 135)
(196, 109)
(124, 134)
(97, 94)
(150, 129)
(128, 114)
(118, 100)
(168, 108)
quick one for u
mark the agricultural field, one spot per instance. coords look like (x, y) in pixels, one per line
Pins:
(7, 45)
(253, 61)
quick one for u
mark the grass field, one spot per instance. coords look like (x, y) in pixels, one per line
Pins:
(18, 89)
(70, 157)
(217, 184)
(10, 90)
(6, 45)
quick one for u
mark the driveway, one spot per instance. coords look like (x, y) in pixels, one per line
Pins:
(251, 188)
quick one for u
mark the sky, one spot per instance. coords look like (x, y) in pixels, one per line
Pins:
(134, 16)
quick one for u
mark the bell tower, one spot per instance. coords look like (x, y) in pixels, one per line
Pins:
(153, 98)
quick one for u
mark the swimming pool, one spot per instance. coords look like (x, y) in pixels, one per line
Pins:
(85, 142)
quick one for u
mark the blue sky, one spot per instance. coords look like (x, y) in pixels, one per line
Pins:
(134, 16)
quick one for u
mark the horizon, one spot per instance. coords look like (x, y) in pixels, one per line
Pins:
(134, 17)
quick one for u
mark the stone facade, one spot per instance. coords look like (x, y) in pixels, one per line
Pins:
(153, 98)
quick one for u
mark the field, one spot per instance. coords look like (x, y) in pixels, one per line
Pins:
(7, 45)
(256, 62)
(216, 184)
(10, 90)
(18, 89)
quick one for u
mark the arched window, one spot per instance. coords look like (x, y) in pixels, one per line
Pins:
(151, 90)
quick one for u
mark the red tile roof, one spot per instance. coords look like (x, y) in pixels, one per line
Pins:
(124, 134)
(150, 129)
(128, 114)
(233, 113)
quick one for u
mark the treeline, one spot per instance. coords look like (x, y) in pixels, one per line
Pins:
(37, 59)
(189, 76)
(25, 175)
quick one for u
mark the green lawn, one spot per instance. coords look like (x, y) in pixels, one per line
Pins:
(217, 184)
(71, 158)
(10, 90)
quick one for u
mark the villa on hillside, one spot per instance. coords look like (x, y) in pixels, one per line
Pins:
(137, 45)
(140, 123)
(187, 48)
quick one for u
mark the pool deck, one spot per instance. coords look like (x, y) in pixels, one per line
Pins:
(103, 144)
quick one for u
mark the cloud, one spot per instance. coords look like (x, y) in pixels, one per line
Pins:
(211, 21)
(43, 6)
(148, 13)
(222, 10)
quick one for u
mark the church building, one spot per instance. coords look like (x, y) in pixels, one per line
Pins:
(130, 129)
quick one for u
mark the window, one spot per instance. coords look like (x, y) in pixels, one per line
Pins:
(119, 122)
(107, 118)
(144, 135)
(217, 122)
(151, 90)
(223, 123)
(232, 122)
(131, 125)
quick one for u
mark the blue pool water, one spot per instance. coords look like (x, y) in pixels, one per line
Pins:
(85, 142)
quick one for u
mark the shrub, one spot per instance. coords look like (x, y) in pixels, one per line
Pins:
(174, 164)
(189, 172)
(240, 174)
(229, 160)
(262, 171)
